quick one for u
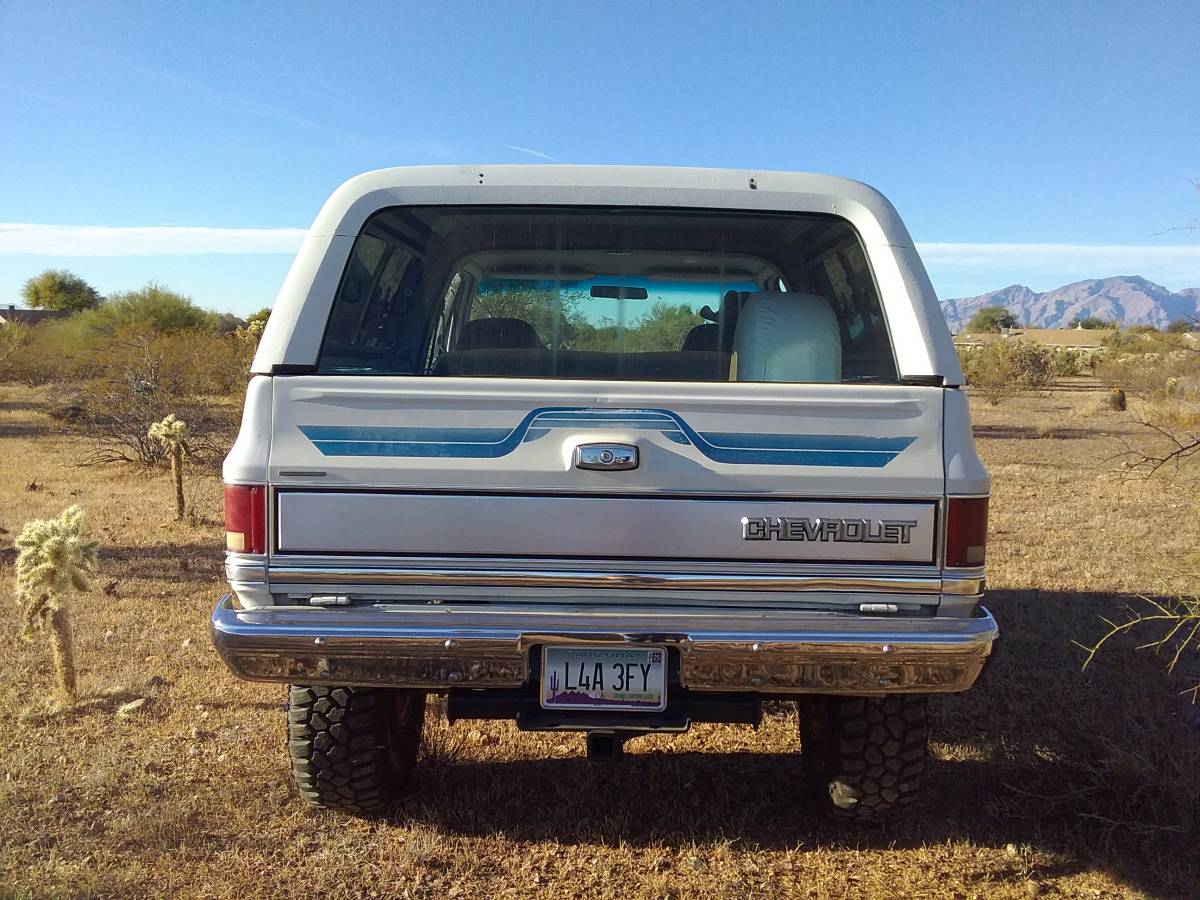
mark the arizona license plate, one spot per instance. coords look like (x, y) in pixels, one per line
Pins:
(604, 678)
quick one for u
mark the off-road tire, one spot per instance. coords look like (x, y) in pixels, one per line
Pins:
(352, 749)
(864, 757)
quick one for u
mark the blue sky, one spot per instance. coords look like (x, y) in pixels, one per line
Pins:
(1007, 134)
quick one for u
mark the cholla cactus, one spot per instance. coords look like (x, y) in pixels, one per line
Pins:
(53, 560)
(170, 432)
(251, 333)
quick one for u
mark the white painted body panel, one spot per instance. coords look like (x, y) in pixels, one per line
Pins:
(314, 437)
(545, 464)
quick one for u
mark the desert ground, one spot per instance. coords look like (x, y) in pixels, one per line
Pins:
(1046, 779)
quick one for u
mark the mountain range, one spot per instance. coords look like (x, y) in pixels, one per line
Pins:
(1124, 299)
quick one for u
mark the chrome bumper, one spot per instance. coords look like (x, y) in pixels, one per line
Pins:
(441, 647)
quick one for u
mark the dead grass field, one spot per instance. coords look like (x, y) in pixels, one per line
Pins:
(1045, 779)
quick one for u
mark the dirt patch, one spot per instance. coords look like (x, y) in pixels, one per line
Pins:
(1045, 779)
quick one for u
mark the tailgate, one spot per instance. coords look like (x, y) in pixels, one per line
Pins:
(742, 473)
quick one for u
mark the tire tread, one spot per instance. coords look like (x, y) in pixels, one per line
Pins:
(352, 749)
(874, 748)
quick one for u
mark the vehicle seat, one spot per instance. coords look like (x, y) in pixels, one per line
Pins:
(703, 337)
(787, 337)
(499, 334)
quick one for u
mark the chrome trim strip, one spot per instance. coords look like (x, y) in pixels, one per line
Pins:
(440, 647)
(678, 581)
(963, 583)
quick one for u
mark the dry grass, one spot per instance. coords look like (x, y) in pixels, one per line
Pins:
(1046, 779)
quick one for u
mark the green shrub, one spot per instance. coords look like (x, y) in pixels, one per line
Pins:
(154, 307)
(139, 377)
(14, 338)
(1000, 369)
(1065, 362)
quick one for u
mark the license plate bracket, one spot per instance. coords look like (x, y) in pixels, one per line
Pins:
(603, 677)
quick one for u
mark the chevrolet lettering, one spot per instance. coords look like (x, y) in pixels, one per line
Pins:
(863, 531)
(478, 461)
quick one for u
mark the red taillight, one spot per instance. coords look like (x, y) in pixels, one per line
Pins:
(966, 531)
(246, 518)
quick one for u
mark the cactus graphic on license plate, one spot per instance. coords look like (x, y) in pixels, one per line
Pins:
(611, 678)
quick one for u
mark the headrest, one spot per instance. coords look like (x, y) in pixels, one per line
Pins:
(703, 337)
(787, 337)
(498, 334)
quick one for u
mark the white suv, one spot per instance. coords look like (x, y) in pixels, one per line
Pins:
(612, 450)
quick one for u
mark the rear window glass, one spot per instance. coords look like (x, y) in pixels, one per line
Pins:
(608, 294)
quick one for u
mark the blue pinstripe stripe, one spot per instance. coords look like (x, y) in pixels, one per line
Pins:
(734, 448)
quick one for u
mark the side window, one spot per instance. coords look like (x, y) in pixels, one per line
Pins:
(865, 346)
(355, 292)
(371, 323)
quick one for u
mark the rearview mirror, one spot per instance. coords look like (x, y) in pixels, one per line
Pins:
(613, 292)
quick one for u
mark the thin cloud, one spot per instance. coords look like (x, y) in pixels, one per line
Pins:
(17, 239)
(529, 150)
(962, 269)
(1179, 263)
(1109, 256)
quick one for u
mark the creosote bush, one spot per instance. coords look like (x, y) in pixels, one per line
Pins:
(1002, 368)
(53, 560)
(14, 338)
(141, 377)
(117, 382)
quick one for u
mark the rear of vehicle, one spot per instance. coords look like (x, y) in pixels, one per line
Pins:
(611, 450)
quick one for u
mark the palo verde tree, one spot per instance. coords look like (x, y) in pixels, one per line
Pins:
(60, 289)
(171, 432)
(53, 560)
(991, 318)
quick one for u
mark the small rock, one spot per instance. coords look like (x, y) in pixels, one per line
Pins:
(188, 644)
(132, 708)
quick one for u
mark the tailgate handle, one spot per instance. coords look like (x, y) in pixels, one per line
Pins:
(606, 457)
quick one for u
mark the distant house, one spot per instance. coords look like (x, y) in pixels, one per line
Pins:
(14, 316)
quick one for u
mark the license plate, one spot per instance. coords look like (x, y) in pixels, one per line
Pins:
(604, 678)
